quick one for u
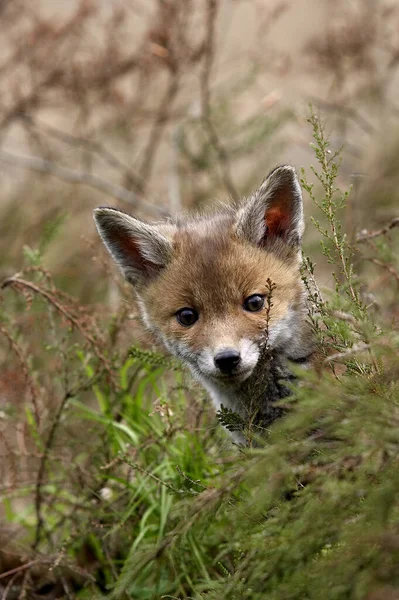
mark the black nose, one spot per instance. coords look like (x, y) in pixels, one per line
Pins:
(226, 360)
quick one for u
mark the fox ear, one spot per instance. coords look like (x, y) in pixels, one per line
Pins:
(140, 249)
(275, 210)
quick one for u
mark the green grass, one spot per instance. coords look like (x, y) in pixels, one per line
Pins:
(143, 495)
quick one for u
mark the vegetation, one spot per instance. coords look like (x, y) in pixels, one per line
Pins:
(116, 479)
(139, 495)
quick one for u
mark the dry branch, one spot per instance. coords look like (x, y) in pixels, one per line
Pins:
(205, 99)
(355, 349)
(90, 145)
(159, 125)
(42, 165)
(47, 448)
(25, 370)
(369, 235)
(18, 283)
(383, 265)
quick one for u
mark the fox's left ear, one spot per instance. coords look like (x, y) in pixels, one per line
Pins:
(275, 210)
(140, 249)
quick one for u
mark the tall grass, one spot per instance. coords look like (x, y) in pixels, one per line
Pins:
(138, 493)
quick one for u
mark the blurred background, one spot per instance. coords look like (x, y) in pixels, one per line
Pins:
(161, 106)
(158, 106)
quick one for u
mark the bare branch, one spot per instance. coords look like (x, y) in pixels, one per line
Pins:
(175, 203)
(343, 316)
(347, 111)
(205, 99)
(41, 165)
(385, 266)
(356, 348)
(159, 125)
(92, 146)
(19, 284)
(369, 235)
(27, 565)
(47, 448)
(25, 370)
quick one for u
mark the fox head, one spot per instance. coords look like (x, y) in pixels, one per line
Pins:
(202, 282)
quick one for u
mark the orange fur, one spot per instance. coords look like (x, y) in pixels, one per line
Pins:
(214, 273)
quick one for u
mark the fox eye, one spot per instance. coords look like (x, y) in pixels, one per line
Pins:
(254, 303)
(187, 316)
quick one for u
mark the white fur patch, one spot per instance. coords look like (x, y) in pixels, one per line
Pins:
(249, 353)
(144, 314)
(280, 333)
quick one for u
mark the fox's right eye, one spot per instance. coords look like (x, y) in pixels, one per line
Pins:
(187, 316)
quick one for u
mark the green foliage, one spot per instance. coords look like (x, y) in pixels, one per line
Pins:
(333, 242)
(230, 419)
(313, 512)
(139, 495)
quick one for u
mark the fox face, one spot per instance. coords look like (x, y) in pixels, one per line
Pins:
(219, 290)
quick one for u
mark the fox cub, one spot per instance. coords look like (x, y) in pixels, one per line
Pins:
(223, 292)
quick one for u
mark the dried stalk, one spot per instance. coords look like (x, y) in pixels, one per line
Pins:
(35, 163)
(364, 235)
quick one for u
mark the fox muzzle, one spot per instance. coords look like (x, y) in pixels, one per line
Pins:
(227, 360)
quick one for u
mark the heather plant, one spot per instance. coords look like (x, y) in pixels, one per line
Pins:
(118, 440)
(313, 511)
(139, 493)
(117, 481)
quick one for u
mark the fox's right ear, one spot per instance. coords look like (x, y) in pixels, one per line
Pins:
(274, 211)
(140, 249)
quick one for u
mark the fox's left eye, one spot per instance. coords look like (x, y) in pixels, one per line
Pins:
(187, 316)
(254, 303)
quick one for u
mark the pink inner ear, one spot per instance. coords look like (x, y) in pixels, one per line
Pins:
(132, 253)
(277, 220)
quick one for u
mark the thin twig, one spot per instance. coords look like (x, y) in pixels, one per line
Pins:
(175, 203)
(159, 125)
(385, 266)
(8, 587)
(43, 462)
(325, 162)
(90, 145)
(348, 111)
(360, 347)
(24, 583)
(42, 471)
(17, 282)
(343, 316)
(205, 99)
(42, 165)
(25, 370)
(65, 585)
(369, 235)
(27, 565)
(11, 456)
